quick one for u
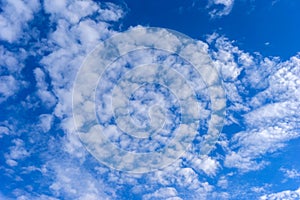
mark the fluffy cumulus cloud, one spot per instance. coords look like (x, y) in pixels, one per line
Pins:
(79, 25)
(11, 64)
(9, 86)
(74, 28)
(262, 100)
(16, 152)
(14, 18)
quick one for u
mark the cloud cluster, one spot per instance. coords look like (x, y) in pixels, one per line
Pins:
(11, 64)
(262, 100)
(14, 18)
(173, 73)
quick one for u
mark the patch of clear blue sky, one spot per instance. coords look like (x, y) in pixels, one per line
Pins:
(271, 28)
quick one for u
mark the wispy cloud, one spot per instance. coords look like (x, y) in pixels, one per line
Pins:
(287, 194)
(270, 118)
(219, 8)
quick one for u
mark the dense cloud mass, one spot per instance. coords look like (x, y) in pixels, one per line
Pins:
(42, 46)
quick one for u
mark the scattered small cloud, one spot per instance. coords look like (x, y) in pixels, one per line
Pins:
(290, 173)
(16, 152)
(269, 117)
(219, 8)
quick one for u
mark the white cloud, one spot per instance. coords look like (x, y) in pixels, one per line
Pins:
(72, 181)
(78, 27)
(45, 122)
(162, 193)
(205, 163)
(229, 59)
(260, 190)
(273, 113)
(110, 12)
(47, 98)
(23, 195)
(8, 87)
(270, 124)
(15, 16)
(16, 152)
(221, 195)
(254, 144)
(147, 72)
(11, 163)
(3, 131)
(290, 173)
(72, 11)
(223, 182)
(75, 33)
(71, 44)
(64, 9)
(219, 12)
(270, 114)
(287, 194)
(184, 179)
(11, 62)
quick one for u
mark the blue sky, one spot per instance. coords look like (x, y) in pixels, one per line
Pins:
(253, 24)
(251, 45)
